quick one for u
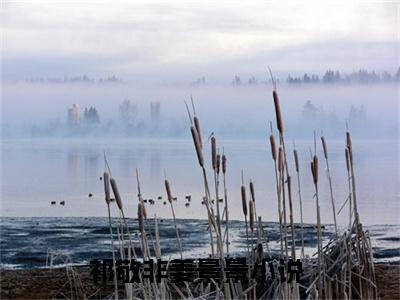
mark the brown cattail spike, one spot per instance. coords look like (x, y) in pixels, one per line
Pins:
(350, 156)
(279, 121)
(197, 145)
(253, 197)
(116, 193)
(224, 163)
(197, 126)
(289, 184)
(106, 179)
(348, 141)
(324, 147)
(244, 204)
(347, 159)
(144, 207)
(218, 163)
(140, 217)
(168, 189)
(273, 146)
(214, 153)
(315, 164)
(280, 160)
(251, 214)
(296, 160)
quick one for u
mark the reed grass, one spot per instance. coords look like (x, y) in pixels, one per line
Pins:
(106, 180)
(297, 167)
(169, 195)
(224, 162)
(325, 149)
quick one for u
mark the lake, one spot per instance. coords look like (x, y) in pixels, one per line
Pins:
(38, 171)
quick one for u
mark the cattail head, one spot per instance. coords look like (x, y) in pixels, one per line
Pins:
(106, 179)
(116, 192)
(280, 160)
(218, 163)
(273, 146)
(350, 156)
(251, 214)
(348, 141)
(197, 126)
(197, 145)
(296, 160)
(315, 166)
(324, 146)
(144, 207)
(289, 184)
(253, 197)
(214, 153)
(244, 204)
(168, 189)
(140, 217)
(279, 121)
(347, 159)
(224, 163)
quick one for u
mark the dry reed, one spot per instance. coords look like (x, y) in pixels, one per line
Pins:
(297, 166)
(170, 199)
(325, 148)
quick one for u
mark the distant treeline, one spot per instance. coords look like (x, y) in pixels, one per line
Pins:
(360, 76)
(75, 79)
(330, 77)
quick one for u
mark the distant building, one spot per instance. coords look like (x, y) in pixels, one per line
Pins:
(74, 115)
(154, 112)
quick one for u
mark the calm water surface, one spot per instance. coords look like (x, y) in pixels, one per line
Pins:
(38, 171)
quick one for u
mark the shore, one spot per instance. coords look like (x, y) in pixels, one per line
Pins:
(53, 283)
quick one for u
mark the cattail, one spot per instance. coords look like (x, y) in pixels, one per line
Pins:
(144, 207)
(214, 153)
(218, 162)
(273, 146)
(244, 204)
(280, 160)
(279, 121)
(140, 217)
(223, 163)
(251, 214)
(106, 179)
(116, 193)
(350, 156)
(324, 147)
(252, 191)
(296, 160)
(315, 165)
(168, 189)
(197, 126)
(347, 159)
(289, 184)
(348, 141)
(197, 145)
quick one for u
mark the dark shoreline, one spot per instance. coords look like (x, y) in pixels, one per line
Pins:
(51, 283)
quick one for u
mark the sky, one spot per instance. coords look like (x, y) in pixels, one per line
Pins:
(181, 40)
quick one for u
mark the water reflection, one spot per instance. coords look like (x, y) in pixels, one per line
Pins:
(71, 169)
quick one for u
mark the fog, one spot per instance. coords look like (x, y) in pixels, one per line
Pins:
(40, 109)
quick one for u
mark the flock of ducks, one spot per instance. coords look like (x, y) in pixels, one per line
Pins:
(188, 199)
(54, 203)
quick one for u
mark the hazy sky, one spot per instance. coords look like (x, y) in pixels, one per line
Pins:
(181, 40)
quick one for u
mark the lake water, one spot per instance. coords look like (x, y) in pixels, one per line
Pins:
(26, 242)
(38, 171)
